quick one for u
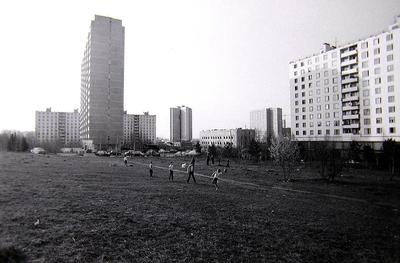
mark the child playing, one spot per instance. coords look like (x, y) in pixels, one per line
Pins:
(126, 161)
(216, 176)
(151, 169)
(171, 171)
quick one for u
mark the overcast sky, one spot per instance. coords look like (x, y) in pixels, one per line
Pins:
(221, 58)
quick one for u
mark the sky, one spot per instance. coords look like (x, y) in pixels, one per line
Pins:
(221, 58)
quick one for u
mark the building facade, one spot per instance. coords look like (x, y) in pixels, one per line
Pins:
(237, 138)
(102, 84)
(57, 127)
(350, 92)
(267, 122)
(180, 124)
(139, 129)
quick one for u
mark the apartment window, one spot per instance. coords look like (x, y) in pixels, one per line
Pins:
(302, 73)
(311, 124)
(377, 61)
(366, 102)
(389, 47)
(311, 108)
(328, 124)
(328, 132)
(336, 114)
(336, 97)
(301, 64)
(325, 57)
(319, 116)
(296, 103)
(326, 81)
(334, 80)
(304, 125)
(365, 93)
(378, 120)
(367, 131)
(335, 71)
(364, 64)
(392, 130)
(304, 117)
(318, 91)
(327, 115)
(316, 67)
(297, 132)
(378, 110)
(336, 132)
(377, 71)
(303, 109)
(377, 51)
(297, 125)
(366, 112)
(296, 110)
(310, 93)
(303, 86)
(309, 85)
(389, 37)
(336, 106)
(376, 41)
(318, 107)
(295, 80)
(364, 45)
(303, 94)
(377, 90)
(302, 79)
(389, 57)
(364, 54)
(296, 95)
(365, 73)
(325, 65)
(391, 120)
(335, 88)
(311, 116)
(367, 121)
(327, 90)
(319, 132)
(326, 98)
(365, 83)
(336, 123)
(309, 62)
(390, 68)
(326, 106)
(390, 88)
(318, 83)
(311, 132)
(378, 130)
(378, 81)
(295, 73)
(392, 109)
(326, 73)
(391, 99)
(310, 101)
(390, 78)
(334, 63)
(318, 75)
(334, 55)
(310, 77)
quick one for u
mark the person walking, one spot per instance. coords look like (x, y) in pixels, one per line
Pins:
(215, 179)
(126, 161)
(212, 159)
(151, 169)
(228, 164)
(208, 159)
(190, 171)
(171, 171)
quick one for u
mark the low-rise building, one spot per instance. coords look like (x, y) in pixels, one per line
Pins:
(237, 138)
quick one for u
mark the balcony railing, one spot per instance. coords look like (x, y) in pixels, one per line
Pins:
(349, 62)
(349, 80)
(350, 116)
(350, 98)
(348, 53)
(350, 71)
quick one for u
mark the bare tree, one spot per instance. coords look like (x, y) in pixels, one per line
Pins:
(285, 153)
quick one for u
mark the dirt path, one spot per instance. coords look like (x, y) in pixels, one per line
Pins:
(279, 188)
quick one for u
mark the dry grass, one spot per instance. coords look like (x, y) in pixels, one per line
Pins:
(87, 210)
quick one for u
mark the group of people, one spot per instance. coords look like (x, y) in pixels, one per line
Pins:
(190, 171)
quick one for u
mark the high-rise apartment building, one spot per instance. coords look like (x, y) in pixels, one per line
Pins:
(180, 124)
(267, 122)
(102, 84)
(350, 92)
(57, 127)
(237, 138)
(139, 129)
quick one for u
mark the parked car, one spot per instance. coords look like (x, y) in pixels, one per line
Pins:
(133, 153)
(102, 153)
(152, 153)
(38, 150)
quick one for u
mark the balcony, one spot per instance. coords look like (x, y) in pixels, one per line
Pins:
(349, 80)
(350, 117)
(351, 126)
(350, 98)
(350, 71)
(349, 62)
(349, 89)
(351, 107)
(348, 53)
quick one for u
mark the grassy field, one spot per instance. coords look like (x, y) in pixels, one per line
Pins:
(94, 209)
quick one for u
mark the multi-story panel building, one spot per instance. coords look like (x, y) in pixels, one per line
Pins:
(139, 129)
(102, 84)
(267, 122)
(237, 138)
(350, 92)
(180, 124)
(57, 127)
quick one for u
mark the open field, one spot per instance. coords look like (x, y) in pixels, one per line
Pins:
(93, 209)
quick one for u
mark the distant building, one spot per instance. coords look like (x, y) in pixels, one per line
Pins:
(237, 138)
(57, 127)
(139, 129)
(180, 124)
(350, 92)
(102, 84)
(267, 122)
